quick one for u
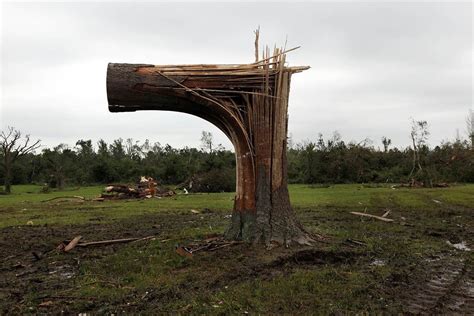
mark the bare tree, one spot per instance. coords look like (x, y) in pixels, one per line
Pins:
(207, 143)
(470, 127)
(386, 143)
(14, 146)
(419, 136)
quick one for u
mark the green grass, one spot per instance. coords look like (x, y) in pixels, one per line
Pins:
(149, 277)
(25, 204)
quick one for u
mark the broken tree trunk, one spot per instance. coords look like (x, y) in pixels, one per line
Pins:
(249, 103)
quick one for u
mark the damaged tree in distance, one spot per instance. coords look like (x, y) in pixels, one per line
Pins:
(249, 103)
(13, 147)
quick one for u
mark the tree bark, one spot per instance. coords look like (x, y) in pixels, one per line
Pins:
(249, 103)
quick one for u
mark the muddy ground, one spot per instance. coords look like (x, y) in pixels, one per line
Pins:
(403, 267)
(37, 278)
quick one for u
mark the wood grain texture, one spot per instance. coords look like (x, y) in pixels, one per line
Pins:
(249, 103)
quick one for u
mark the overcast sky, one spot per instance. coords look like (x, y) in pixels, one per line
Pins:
(373, 65)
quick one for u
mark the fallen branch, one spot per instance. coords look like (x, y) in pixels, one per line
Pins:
(72, 244)
(66, 197)
(112, 241)
(210, 244)
(373, 216)
(75, 242)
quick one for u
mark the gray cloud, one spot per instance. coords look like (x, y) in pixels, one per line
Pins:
(374, 65)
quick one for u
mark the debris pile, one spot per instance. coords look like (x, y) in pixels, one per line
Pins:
(211, 243)
(146, 187)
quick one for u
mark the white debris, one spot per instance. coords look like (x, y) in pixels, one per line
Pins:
(109, 188)
(377, 263)
(185, 191)
(460, 246)
(437, 202)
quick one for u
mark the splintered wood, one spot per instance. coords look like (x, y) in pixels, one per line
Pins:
(249, 103)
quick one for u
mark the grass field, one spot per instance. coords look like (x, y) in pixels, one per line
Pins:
(365, 265)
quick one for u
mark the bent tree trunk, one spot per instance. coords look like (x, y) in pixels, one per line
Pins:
(249, 103)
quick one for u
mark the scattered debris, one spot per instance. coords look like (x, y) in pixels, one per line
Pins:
(211, 243)
(386, 213)
(460, 246)
(29, 223)
(146, 187)
(195, 211)
(373, 216)
(437, 202)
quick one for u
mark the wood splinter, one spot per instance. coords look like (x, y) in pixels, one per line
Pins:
(249, 104)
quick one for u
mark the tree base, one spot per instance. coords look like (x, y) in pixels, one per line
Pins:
(277, 231)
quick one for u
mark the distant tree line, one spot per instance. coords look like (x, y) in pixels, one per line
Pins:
(324, 160)
(335, 161)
